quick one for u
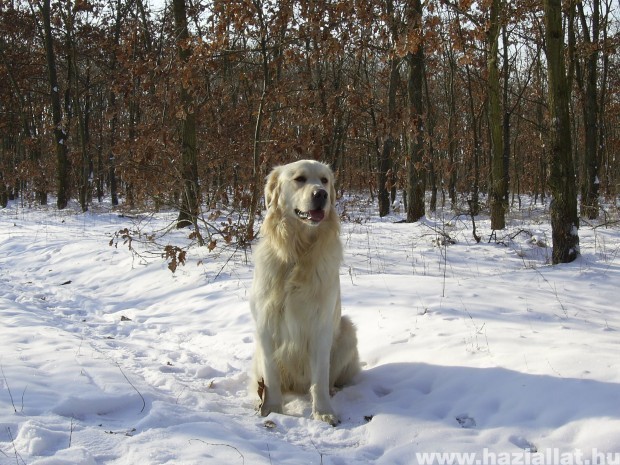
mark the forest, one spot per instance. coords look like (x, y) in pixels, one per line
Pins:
(187, 104)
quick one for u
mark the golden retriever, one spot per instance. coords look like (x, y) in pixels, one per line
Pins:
(302, 341)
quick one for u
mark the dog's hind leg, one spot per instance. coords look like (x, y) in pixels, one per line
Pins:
(345, 364)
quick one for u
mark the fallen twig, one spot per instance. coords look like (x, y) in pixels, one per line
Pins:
(6, 381)
(223, 445)
(135, 389)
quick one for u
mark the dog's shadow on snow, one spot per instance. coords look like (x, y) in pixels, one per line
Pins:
(475, 397)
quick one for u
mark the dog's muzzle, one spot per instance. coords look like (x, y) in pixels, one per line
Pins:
(317, 213)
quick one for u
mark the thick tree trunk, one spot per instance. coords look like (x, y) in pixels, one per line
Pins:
(60, 134)
(590, 176)
(384, 162)
(190, 199)
(564, 219)
(416, 187)
(499, 200)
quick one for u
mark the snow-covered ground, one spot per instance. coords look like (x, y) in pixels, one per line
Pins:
(480, 351)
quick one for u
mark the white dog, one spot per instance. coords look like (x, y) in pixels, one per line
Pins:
(302, 342)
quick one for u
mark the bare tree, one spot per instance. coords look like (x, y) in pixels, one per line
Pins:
(499, 200)
(60, 132)
(589, 88)
(564, 219)
(190, 199)
(416, 186)
(385, 153)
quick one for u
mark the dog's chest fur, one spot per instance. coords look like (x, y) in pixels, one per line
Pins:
(306, 293)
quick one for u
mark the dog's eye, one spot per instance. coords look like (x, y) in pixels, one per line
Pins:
(301, 179)
(324, 180)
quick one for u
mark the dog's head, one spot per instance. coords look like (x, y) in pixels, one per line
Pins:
(303, 190)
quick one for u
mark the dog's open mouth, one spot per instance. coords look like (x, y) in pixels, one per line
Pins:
(314, 216)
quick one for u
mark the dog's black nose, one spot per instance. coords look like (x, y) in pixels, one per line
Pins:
(319, 199)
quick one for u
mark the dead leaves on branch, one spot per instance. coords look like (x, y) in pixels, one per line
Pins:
(124, 235)
(221, 231)
(175, 256)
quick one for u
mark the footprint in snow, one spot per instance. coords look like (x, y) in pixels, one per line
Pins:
(466, 421)
(523, 443)
(381, 391)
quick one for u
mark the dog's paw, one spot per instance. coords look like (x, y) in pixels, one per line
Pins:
(330, 418)
(266, 409)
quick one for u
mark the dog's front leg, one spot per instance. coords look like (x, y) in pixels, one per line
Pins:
(272, 395)
(319, 388)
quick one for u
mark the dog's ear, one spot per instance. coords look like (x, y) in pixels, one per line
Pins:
(272, 188)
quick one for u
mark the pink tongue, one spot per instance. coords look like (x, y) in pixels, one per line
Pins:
(317, 215)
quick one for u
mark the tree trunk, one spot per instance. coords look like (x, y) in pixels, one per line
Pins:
(589, 178)
(430, 124)
(474, 203)
(82, 107)
(499, 201)
(256, 158)
(114, 120)
(416, 187)
(4, 194)
(384, 162)
(542, 167)
(563, 209)
(190, 198)
(85, 178)
(60, 134)
(451, 135)
(505, 119)
(603, 157)
(111, 158)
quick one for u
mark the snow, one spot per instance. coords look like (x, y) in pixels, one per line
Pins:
(109, 358)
